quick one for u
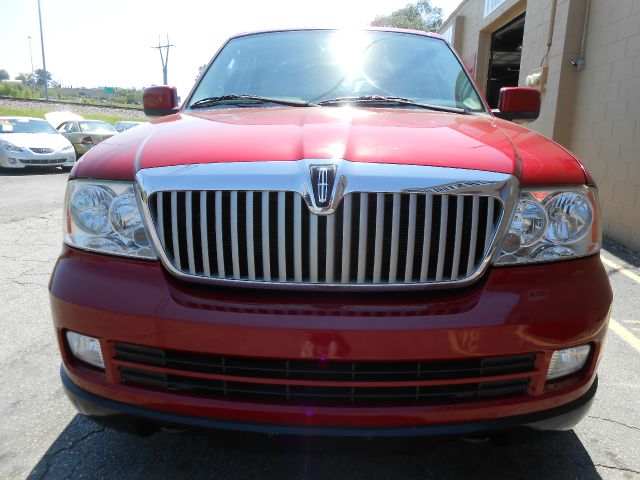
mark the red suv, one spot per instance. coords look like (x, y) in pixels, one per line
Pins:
(333, 235)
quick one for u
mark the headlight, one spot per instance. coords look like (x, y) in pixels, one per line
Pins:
(68, 148)
(104, 217)
(551, 225)
(9, 147)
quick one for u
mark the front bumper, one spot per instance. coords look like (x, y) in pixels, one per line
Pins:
(27, 158)
(142, 421)
(515, 310)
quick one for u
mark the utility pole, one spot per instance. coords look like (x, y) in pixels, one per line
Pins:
(44, 64)
(163, 58)
(30, 54)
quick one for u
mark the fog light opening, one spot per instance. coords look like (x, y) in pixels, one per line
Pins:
(567, 361)
(85, 348)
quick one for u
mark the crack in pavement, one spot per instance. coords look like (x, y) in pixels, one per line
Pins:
(66, 448)
(613, 421)
(620, 469)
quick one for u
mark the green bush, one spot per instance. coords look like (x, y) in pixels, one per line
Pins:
(17, 91)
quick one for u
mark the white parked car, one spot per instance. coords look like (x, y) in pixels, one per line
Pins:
(32, 142)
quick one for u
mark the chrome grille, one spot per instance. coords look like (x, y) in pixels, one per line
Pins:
(371, 238)
(42, 150)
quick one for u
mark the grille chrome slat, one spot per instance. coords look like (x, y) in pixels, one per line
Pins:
(313, 247)
(204, 237)
(377, 260)
(362, 236)
(174, 230)
(330, 266)
(189, 233)
(474, 234)
(219, 235)
(395, 239)
(426, 242)
(346, 239)
(489, 230)
(235, 258)
(160, 218)
(266, 259)
(282, 248)
(251, 261)
(457, 243)
(442, 241)
(410, 238)
(297, 239)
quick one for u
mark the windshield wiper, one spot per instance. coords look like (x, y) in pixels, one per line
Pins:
(380, 99)
(233, 99)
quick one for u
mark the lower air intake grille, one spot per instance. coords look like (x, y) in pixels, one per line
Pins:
(324, 382)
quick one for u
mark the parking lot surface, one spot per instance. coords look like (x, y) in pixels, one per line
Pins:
(42, 437)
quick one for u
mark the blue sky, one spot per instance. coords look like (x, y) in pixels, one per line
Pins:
(108, 43)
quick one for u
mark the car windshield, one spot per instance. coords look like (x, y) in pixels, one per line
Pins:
(96, 127)
(25, 125)
(320, 65)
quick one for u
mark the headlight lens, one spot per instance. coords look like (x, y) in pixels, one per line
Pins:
(567, 361)
(9, 147)
(105, 217)
(570, 217)
(68, 148)
(551, 225)
(85, 348)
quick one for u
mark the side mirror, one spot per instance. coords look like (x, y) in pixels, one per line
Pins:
(160, 101)
(518, 104)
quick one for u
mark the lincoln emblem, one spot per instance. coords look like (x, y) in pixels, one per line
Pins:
(322, 181)
(323, 184)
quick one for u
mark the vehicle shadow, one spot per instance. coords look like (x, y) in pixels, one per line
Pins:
(85, 450)
(28, 172)
(620, 251)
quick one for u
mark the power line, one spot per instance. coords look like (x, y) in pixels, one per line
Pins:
(164, 58)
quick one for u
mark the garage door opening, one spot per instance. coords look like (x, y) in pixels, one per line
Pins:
(504, 59)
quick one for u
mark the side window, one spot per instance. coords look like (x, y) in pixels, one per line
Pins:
(72, 127)
(63, 127)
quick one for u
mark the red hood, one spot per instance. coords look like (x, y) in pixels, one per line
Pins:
(415, 137)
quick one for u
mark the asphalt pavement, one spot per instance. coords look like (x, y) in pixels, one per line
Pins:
(42, 437)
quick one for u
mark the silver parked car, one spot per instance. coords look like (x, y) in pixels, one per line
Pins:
(32, 142)
(85, 134)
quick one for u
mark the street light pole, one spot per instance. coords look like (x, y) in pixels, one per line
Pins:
(30, 54)
(44, 64)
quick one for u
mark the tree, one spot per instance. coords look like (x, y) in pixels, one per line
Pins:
(130, 95)
(42, 77)
(416, 16)
(4, 75)
(27, 79)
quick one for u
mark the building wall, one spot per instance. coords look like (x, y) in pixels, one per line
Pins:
(594, 112)
(606, 117)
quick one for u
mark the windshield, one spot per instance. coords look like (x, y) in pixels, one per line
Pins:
(96, 127)
(25, 125)
(320, 65)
